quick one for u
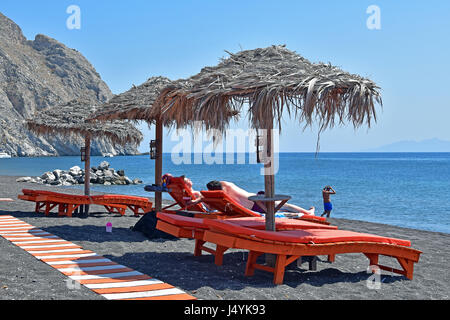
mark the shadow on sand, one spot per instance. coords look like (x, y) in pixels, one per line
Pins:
(192, 273)
(172, 261)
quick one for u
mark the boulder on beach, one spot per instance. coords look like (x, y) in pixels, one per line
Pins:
(102, 175)
(103, 166)
(75, 171)
(48, 176)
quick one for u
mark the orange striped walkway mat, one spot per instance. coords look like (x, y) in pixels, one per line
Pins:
(84, 267)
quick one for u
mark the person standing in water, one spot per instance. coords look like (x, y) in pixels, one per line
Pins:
(327, 206)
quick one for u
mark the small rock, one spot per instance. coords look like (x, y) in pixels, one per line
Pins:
(24, 179)
(48, 176)
(75, 171)
(103, 166)
(93, 178)
(137, 181)
(57, 173)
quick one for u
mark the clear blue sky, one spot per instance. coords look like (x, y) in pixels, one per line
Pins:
(130, 41)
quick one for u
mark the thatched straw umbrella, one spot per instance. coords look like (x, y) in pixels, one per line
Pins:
(70, 119)
(137, 104)
(273, 81)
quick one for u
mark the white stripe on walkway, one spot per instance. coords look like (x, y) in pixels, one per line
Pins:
(55, 263)
(13, 223)
(8, 233)
(28, 235)
(57, 251)
(40, 241)
(145, 294)
(68, 244)
(86, 269)
(67, 256)
(108, 275)
(12, 239)
(123, 284)
(32, 231)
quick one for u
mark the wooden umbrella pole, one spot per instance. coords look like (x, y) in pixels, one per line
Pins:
(158, 163)
(87, 171)
(269, 184)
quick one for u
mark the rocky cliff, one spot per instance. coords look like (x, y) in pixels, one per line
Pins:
(39, 74)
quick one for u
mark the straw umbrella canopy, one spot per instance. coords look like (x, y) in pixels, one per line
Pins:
(70, 120)
(273, 82)
(137, 104)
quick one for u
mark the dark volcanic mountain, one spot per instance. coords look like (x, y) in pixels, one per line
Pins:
(39, 74)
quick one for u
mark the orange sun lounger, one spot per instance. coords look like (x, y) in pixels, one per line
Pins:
(288, 246)
(134, 203)
(47, 201)
(178, 191)
(194, 228)
(288, 243)
(67, 203)
(220, 201)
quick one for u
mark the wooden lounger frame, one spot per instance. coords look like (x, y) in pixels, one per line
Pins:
(67, 204)
(288, 252)
(45, 203)
(198, 235)
(135, 204)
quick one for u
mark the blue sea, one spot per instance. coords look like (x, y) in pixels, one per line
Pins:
(404, 189)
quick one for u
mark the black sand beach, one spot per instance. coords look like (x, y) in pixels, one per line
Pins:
(22, 277)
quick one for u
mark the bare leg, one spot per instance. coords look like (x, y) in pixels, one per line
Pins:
(327, 213)
(294, 208)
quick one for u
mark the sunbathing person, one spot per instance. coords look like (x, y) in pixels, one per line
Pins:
(241, 196)
(196, 195)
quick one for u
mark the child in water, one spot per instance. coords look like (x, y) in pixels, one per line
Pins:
(327, 206)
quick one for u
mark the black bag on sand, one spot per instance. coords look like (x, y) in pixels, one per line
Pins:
(147, 226)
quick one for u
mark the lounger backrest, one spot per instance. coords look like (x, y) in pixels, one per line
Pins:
(220, 201)
(178, 190)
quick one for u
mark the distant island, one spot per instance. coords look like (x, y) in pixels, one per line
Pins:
(430, 145)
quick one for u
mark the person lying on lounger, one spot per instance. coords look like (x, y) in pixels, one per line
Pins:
(241, 196)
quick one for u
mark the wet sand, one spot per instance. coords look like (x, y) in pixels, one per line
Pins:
(22, 277)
